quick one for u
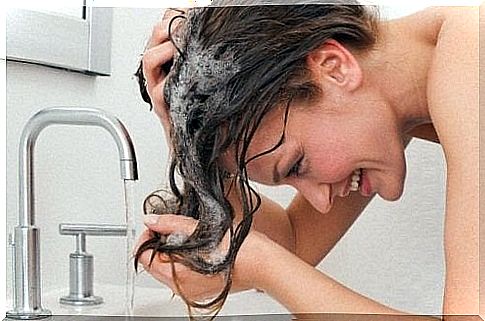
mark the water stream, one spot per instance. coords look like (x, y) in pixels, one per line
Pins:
(130, 244)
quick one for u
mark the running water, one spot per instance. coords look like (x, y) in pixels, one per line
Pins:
(130, 244)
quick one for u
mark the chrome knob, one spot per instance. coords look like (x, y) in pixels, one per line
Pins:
(81, 263)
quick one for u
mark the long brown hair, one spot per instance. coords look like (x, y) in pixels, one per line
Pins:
(233, 65)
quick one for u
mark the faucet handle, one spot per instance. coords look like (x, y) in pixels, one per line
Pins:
(93, 229)
(81, 263)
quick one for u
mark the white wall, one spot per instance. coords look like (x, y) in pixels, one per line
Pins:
(392, 253)
(77, 168)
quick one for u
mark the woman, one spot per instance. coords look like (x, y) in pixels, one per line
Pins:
(322, 98)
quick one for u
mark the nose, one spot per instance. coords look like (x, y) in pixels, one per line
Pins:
(317, 194)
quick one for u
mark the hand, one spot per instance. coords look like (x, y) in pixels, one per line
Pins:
(193, 285)
(156, 64)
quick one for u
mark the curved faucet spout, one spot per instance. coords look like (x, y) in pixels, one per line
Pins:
(68, 116)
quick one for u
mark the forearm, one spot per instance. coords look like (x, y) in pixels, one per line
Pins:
(303, 289)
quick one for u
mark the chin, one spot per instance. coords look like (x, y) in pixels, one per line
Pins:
(393, 193)
(392, 198)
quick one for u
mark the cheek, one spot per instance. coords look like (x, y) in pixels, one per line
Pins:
(336, 144)
(331, 160)
(336, 149)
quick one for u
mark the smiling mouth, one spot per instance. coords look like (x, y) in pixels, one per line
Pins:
(355, 180)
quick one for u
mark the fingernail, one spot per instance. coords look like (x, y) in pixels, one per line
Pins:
(151, 219)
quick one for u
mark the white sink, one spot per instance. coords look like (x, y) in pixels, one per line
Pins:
(153, 302)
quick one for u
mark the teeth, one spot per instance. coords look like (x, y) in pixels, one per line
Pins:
(354, 184)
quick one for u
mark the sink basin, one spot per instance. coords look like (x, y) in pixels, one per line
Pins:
(157, 303)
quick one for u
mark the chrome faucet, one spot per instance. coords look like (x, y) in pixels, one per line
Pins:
(27, 282)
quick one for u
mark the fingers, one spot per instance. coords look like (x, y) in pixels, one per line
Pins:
(163, 224)
(156, 63)
(160, 269)
(145, 236)
(146, 257)
(192, 284)
(153, 59)
(160, 32)
(168, 223)
(159, 49)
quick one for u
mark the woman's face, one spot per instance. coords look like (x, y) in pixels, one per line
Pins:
(326, 140)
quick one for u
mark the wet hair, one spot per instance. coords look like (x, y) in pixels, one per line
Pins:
(233, 65)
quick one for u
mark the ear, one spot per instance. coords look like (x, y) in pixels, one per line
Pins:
(334, 64)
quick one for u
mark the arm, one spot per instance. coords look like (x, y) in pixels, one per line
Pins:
(265, 265)
(310, 291)
(453, 101)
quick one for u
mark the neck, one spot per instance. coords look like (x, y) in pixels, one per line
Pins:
(399, 66)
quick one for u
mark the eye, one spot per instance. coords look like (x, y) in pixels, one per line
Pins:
(296, 169)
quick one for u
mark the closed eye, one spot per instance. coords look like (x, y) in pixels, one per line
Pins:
(296, 169)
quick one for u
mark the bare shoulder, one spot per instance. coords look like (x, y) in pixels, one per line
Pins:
(453, 88)
(453, 78)
(454, 108)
